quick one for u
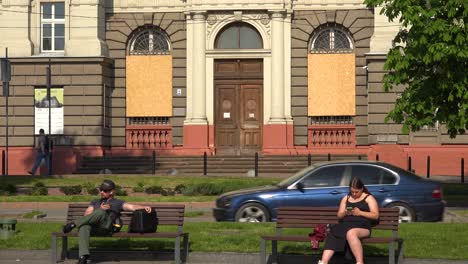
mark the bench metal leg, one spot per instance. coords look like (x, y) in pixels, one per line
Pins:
(186, 247)
(391, 253)
(262, 251)
(400, 252)
(64, 254)
(274, 251)
(177, 250)
(53, 249)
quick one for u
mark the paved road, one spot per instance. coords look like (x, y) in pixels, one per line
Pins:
(43, 257)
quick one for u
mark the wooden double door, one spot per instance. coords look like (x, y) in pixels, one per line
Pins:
(238, 106)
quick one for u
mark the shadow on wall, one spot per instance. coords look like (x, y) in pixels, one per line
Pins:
(66, 153)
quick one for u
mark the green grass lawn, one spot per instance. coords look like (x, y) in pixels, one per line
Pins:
(422, 240)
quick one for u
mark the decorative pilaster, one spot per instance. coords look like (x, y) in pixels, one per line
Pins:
(87, 29)
(15, 29)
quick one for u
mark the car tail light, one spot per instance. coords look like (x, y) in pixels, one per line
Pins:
(436, 193)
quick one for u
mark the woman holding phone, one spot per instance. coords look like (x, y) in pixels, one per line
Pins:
(358, 209)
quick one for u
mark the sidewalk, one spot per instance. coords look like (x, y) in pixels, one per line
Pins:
(129, 257)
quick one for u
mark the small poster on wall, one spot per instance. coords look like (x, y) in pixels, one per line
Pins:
(41, 110)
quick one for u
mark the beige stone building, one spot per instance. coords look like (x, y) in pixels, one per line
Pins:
(184, 77)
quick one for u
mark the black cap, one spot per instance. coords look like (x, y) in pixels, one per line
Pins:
(107, 185)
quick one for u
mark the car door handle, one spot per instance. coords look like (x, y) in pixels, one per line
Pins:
(335, 192)
(383, 190)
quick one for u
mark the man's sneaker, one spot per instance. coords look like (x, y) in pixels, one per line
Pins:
(83, 259)
(68, 227)
(30, 173)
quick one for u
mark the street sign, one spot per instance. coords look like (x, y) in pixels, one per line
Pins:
(6, 70)
(5, 76)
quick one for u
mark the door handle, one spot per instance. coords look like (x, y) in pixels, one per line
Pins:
(383, 190)
(335, 192)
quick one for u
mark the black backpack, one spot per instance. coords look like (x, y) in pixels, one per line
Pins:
(143, 222)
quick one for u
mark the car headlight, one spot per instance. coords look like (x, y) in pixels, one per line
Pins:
(223, 202)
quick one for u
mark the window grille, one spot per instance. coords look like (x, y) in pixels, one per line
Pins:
(148, 120)
(150, 41)
(331, 120)
(331, 40)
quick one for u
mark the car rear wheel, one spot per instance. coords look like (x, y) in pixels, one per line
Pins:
(406, 213)
(253, 213)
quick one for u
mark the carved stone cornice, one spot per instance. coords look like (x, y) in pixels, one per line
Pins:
(7, 3)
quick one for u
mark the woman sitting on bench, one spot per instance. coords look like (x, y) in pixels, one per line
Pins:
(357, 211)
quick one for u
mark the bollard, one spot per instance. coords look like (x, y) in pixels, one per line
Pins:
(377, 157)
(153, 167)
(329, 156)
(309, 160)
(428, 166)
(409, 164)
(256, 164)
(3, 163)
(205, 163)
(463, 170)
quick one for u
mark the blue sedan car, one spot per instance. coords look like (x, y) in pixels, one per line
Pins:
(324, 184)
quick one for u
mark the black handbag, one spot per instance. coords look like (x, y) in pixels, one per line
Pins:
(143, 222)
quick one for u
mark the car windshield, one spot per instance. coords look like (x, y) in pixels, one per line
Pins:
(295, 177)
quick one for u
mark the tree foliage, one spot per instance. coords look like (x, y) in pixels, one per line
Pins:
(430, 59)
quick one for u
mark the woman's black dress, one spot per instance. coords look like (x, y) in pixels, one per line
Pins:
(336, 239)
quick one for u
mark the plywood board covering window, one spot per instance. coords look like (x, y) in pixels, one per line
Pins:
(331, 80)
(149, 85)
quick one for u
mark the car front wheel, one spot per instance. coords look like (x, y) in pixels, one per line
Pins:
(406, 213)
(253, 213)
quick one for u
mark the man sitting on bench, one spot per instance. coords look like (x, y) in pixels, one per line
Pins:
(100, 217)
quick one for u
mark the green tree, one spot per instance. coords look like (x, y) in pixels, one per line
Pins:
(430, 59)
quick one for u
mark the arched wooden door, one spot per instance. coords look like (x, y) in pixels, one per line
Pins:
(238, 106)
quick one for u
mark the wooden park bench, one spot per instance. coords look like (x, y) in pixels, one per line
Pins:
(172, 215)
(308, 217)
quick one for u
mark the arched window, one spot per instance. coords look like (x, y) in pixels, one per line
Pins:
(149, 41)
(239, 35)
(331, 40)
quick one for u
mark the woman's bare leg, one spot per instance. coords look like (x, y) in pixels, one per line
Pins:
(327, 255)
(353, 237)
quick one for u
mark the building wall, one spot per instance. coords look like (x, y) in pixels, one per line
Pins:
(119, 28)
(360, 25)
(83, 81)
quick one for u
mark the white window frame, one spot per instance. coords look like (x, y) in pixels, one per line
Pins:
(52, 21)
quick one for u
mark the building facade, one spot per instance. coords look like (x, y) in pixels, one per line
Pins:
(184, 77)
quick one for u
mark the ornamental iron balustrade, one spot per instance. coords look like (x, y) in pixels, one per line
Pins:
(149, 137)
(331, 136)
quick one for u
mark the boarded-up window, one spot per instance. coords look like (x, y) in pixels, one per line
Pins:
(149, 85)
(331, 82)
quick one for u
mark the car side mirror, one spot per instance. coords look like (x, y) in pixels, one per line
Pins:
(300, 186)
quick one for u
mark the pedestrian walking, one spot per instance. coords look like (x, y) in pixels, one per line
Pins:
(43, 152)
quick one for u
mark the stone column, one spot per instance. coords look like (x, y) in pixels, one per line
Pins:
(199, 70)
(15, 30)
(277, 69)
(278, 133)
(196, 128)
